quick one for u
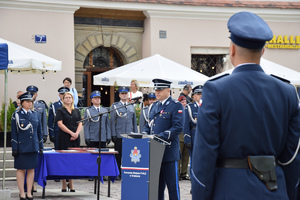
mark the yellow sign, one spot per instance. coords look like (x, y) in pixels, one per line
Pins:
(284, 42)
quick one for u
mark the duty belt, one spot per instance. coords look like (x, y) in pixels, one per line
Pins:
(262, 166)
(234, 163)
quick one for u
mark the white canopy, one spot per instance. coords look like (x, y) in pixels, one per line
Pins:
(149, 68)
(275, 69)
(24, 60)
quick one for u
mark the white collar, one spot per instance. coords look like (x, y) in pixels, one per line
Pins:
(25, 111)
(245, 64)
(162, 102)
(97, 107)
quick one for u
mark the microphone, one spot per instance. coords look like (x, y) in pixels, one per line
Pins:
(136, 99)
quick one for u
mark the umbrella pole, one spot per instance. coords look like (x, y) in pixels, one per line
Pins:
(5, 129)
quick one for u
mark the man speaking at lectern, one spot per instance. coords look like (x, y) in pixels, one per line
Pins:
(166, 122)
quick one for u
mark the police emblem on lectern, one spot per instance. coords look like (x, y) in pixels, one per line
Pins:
(135, 155)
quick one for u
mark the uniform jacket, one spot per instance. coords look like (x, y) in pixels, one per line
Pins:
(190, 122)
(40, 108)
(168, 123)
(52, 125)
(144, 115)
(123, 120)
(91, 126)
(245, 113)
(26, 132)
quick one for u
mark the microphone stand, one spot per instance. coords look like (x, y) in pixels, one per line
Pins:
(99, 156)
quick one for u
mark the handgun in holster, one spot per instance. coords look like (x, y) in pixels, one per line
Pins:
(264, 168)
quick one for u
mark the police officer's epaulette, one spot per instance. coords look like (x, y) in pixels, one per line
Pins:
(218, 77)
(280, 78)
(33, 111)
(175, 100)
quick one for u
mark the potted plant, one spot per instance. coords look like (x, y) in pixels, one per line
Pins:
(10, 110)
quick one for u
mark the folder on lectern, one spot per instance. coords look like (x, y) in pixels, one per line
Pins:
(141, 160)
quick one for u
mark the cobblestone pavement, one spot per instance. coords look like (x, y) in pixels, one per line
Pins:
(85, 190)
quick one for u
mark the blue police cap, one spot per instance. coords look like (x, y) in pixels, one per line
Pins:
(197, 89)
(160, 84)
(32, 88)
(63, 90)
(152, 95)
(123, 89)
(26, 96)
(95, 93)
(249, 30)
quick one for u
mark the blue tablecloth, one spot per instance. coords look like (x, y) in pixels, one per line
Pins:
(54, 165)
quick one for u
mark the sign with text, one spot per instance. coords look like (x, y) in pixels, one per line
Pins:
(135, 169)
(40, 39)
(284, 42)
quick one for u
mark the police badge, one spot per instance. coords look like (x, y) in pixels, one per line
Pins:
(135, 155)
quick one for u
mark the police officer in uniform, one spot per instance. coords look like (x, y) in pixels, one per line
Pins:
(144, 115)
(190, 121)
(123, 121)
(166, 118)
(144, 110)
(26, 134)
(92, 126)
(52, 125)
(248, 128)
(41, 109)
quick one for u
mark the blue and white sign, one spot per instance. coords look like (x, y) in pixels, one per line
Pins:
(40, 39)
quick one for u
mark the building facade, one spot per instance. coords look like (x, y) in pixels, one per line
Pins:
(92, 37)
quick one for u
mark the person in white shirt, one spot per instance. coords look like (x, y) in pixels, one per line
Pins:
(134, 88)
(67, 83)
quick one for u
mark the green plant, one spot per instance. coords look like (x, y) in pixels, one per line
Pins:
(137, 113)
(10, 110)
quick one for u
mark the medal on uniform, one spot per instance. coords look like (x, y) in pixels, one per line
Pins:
(196, 118)
(22, 125)
(120, 113)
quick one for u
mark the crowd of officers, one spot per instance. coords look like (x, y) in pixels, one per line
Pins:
(122, 120)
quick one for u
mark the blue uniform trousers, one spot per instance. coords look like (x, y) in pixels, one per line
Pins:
(169, 176)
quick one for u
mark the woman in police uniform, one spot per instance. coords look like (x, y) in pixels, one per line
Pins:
(27, 139)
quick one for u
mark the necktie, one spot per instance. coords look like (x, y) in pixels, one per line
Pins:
(158, 106)
(98, 109)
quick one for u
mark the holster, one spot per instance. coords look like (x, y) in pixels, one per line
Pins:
(264, 168)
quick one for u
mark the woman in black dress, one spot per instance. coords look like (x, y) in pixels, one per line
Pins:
(67, 117)
(27, 140)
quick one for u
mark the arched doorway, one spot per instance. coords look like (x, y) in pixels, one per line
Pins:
(99, 60)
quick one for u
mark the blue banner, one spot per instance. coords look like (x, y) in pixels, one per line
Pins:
(3, 56)
(135, 169)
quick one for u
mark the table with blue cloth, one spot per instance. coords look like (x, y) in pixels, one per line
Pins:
(54, 165)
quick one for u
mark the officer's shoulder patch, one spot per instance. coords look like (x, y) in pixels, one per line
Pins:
(175, 100)
(218, 77)
(280, 78)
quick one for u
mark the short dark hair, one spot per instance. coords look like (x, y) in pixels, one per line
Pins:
(187, 87)
(67, 79)
(145, 97)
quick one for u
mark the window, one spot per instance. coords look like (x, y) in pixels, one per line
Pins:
(208, 65)
(103, 57)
